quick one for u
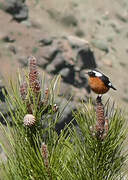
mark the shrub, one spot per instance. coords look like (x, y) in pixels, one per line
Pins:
(92, 150)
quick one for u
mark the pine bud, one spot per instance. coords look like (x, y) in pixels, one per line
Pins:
(55, 108)
(23, 90)
(45, 101)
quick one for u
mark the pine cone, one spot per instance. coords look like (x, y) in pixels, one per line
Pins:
(100, 118)
(45, 154)
(33, 75)
(23, 90)
(29, 120)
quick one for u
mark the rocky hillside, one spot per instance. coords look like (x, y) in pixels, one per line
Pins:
(67, 37)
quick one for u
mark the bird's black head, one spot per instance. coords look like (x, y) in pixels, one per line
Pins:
(91, 73)
(94, 73)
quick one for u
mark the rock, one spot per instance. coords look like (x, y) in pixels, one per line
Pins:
(63, 106)
(66, 91)
(3, 108)
(13, 49)
(121, 17)
(77, 69)
(68, 75)
(110, 38)
(53, 13)
(42, 62)
(27, 23)
(46, 41)
(107, 62)
(85, 58)
(9, 38)
(69, 20)
(100, 44)
(50, 52)
(124, 65)
(68, 56)
(66, 51)
(3, 90)
(59, 53)
(84, 80)
(3, 105)
(2, 36)
(127, 50)
(105, 17)
(18, 9)
(113, 48)
(5, 113)
(69, 51)
(35, 24)
(23, 61)
(74, 4)
(2, 95)
(67, 113)
(50, 68)
(115, 26)
(79, 33)
(79, 82)
(76, 42)
(58, 63)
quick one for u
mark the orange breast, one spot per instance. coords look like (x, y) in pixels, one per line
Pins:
(97, 85)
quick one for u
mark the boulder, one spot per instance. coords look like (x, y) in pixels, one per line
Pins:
(100, 44)
(67, 55)
(17, 8)
(85, 58)
(67, 113)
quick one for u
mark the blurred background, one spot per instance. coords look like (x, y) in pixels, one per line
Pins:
(67, 37)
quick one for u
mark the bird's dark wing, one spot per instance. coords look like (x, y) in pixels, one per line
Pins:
(106, 81)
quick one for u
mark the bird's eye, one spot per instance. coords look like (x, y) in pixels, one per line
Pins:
(91, 73)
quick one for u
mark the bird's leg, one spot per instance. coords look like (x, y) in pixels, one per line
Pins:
(98, 99)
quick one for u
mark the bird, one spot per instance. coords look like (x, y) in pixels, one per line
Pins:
(98, 82)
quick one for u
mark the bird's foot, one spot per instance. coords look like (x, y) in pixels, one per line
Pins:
(99, 98)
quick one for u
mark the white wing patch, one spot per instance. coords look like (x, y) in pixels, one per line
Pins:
(97, 74)
(109, 84)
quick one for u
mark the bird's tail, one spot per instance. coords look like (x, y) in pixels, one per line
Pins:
(113, 87)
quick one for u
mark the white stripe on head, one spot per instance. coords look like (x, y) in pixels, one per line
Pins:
(98, 74)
